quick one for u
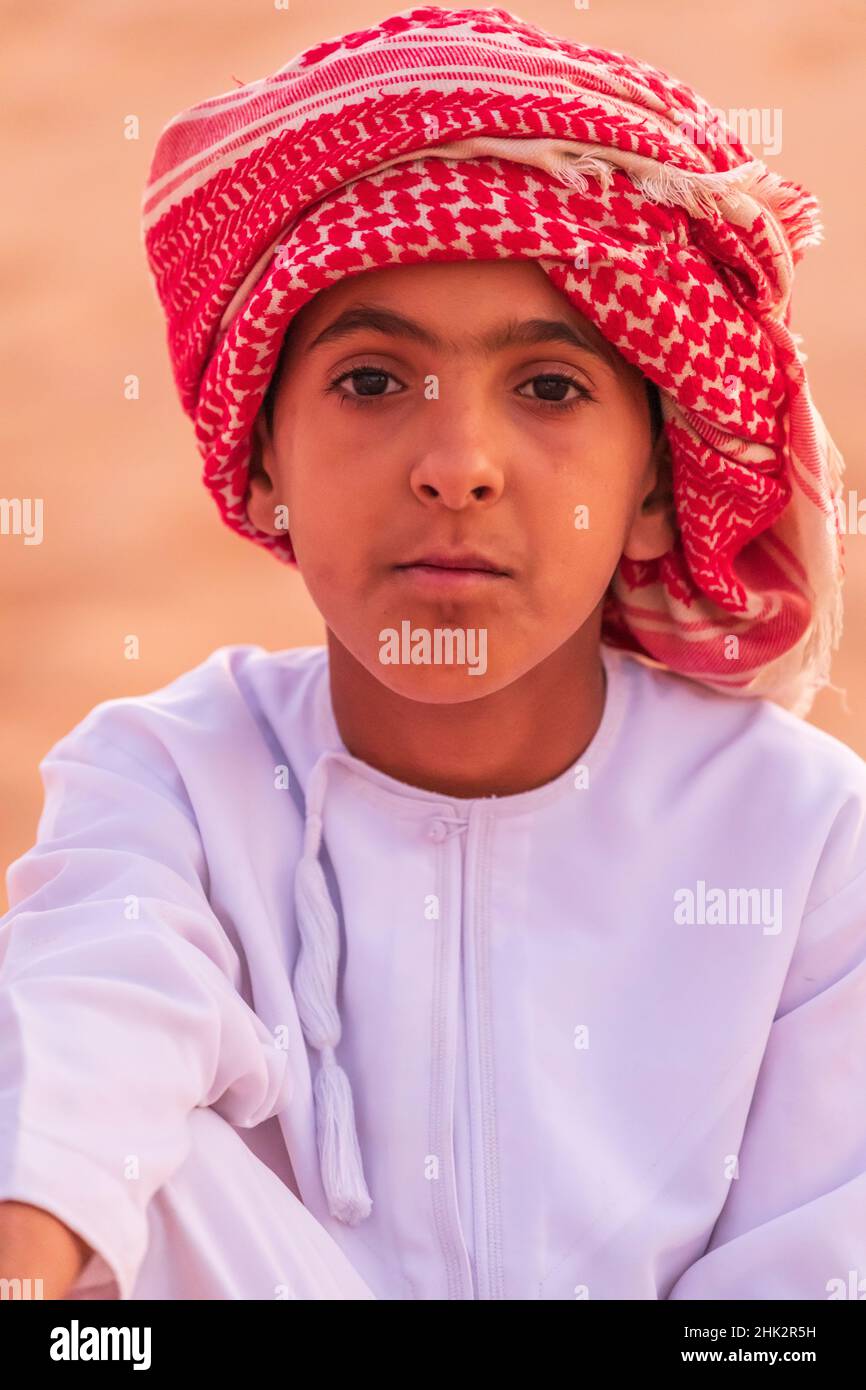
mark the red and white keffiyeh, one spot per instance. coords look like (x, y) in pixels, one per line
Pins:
(442, 135)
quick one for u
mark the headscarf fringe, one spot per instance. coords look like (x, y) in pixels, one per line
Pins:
(706, 195)
(796, 210)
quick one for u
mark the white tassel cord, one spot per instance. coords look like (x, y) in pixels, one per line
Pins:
(315, 988)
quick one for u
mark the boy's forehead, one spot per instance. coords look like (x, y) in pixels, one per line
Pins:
(499, 296)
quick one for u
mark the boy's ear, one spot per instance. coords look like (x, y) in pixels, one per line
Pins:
(261, 498)
(259, 443)
(654, 529)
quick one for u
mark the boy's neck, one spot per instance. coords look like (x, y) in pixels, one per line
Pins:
(512, 741)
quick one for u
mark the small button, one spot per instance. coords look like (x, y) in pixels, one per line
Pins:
(436, 831)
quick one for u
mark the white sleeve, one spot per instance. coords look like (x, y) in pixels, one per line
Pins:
(119, 1003)
(794, 1222)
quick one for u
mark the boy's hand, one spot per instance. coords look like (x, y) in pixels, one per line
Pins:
(36, 1245)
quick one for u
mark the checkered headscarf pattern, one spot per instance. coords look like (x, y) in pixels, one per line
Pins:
(439, 135)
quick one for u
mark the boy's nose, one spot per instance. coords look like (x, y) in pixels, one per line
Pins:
(458, 472)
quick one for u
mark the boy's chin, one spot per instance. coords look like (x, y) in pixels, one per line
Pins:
(441, 685)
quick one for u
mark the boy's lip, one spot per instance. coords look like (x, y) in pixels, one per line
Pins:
(454, 574)
(439, 581)
(466, 561)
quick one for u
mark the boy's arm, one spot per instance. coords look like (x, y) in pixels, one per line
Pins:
(34, 1245)
(794, 1223)
(119, 1003)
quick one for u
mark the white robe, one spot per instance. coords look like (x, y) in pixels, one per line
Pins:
(605, 1038)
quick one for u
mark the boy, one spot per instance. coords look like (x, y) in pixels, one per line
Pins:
(510, 946)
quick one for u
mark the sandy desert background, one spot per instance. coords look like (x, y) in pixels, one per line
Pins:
(133, 543)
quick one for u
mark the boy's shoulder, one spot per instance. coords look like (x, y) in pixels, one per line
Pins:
(756, 771)
(233, 687)
(758, 733)
(675, 716)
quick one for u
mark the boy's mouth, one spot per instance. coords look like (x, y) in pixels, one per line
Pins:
(453, 571)
(456, 560)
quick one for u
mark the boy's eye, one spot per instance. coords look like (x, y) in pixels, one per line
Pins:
(552, 388)
(368, 383)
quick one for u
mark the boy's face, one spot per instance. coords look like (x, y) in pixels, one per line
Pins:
(426, 432)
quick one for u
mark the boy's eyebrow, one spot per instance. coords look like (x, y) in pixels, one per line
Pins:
(514, 332)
